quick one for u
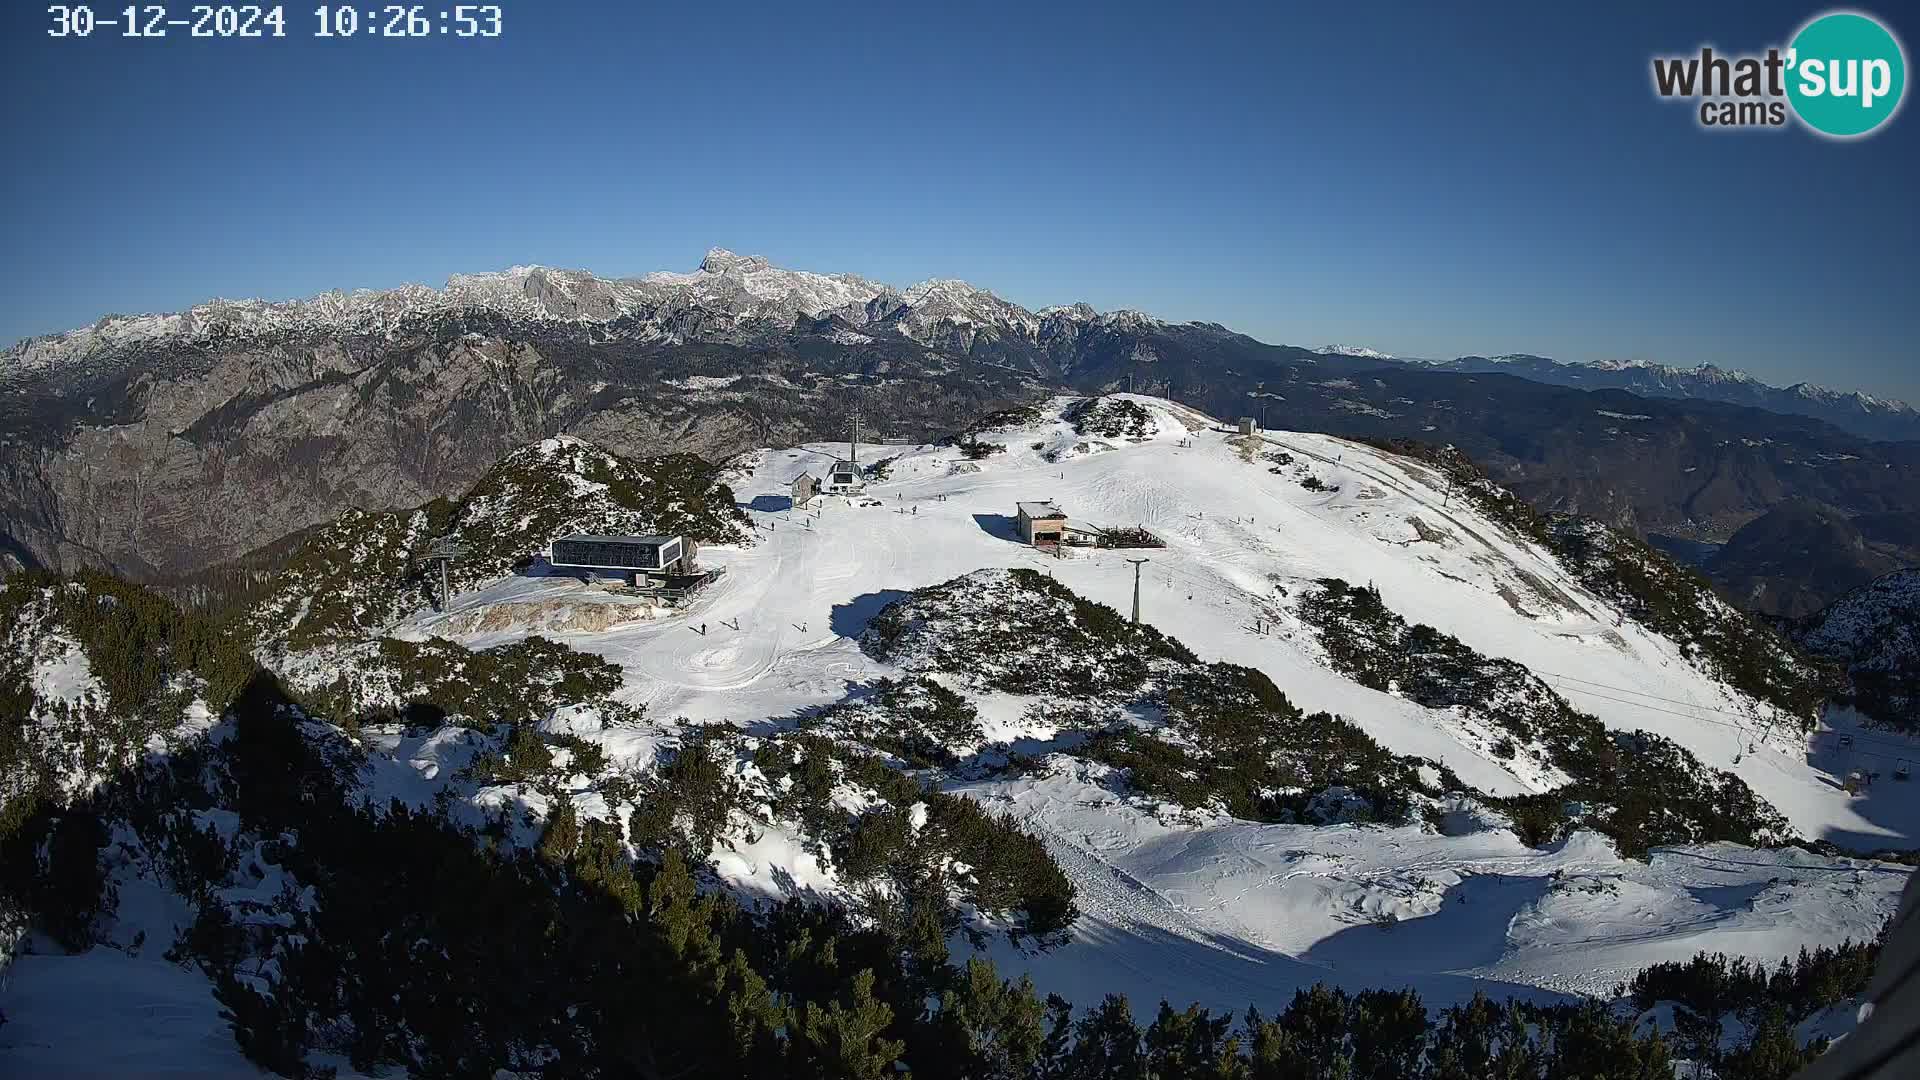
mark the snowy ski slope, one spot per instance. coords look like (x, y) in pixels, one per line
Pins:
(1176, 906)
(1229, 912)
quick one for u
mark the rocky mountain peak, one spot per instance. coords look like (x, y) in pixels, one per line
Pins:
(1130, 319)
(729, 297)
(719, 261)
(1718, 373)
(1361, 352)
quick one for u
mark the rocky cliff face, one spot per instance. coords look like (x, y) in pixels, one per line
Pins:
(169, 467)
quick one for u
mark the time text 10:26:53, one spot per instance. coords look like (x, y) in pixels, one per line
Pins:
(258, 21)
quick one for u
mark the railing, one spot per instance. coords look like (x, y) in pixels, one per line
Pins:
(672, 594)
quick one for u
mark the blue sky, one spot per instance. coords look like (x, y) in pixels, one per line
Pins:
(1427, 181)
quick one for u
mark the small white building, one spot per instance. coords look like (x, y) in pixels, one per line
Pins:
(1081, 532)
(805, 487)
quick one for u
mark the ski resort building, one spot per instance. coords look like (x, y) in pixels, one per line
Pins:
(1041, 522)
(845, 478)
(653, 556)
(805, 487)
(1246, 425)
(660, 567)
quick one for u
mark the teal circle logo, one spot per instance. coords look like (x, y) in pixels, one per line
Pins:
(1845, 74)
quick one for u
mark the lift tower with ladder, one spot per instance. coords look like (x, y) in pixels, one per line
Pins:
(1137, 563)
(444, 552)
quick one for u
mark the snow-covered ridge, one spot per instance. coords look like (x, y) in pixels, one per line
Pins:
(1709, 372)
(1359, 351)
(1701, 380)
(1869, 612)
(727, 291)
(1874, 633)
(745, 299)
(363, 571)
(1248, 523)
(1173, 897)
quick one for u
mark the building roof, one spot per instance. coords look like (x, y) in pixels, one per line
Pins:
(803, 476)
(597, 538)
(1041, 510)
(1084, 527)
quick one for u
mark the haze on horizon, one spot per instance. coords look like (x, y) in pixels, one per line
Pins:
(1422, 182)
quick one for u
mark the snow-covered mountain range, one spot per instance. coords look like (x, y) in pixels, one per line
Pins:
(236, 424)
(728, 297)
(733, 297)
(1360, 351)
(1863, 414)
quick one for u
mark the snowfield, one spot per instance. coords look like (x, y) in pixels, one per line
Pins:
(1237, 912)
(1227, 912)
(1241, 541)
(1175, 905)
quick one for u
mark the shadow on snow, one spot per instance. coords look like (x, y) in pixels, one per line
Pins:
(1468, 931)
(999, 526)
(849, 620)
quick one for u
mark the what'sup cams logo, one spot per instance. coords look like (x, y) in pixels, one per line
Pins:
(1843, 76)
